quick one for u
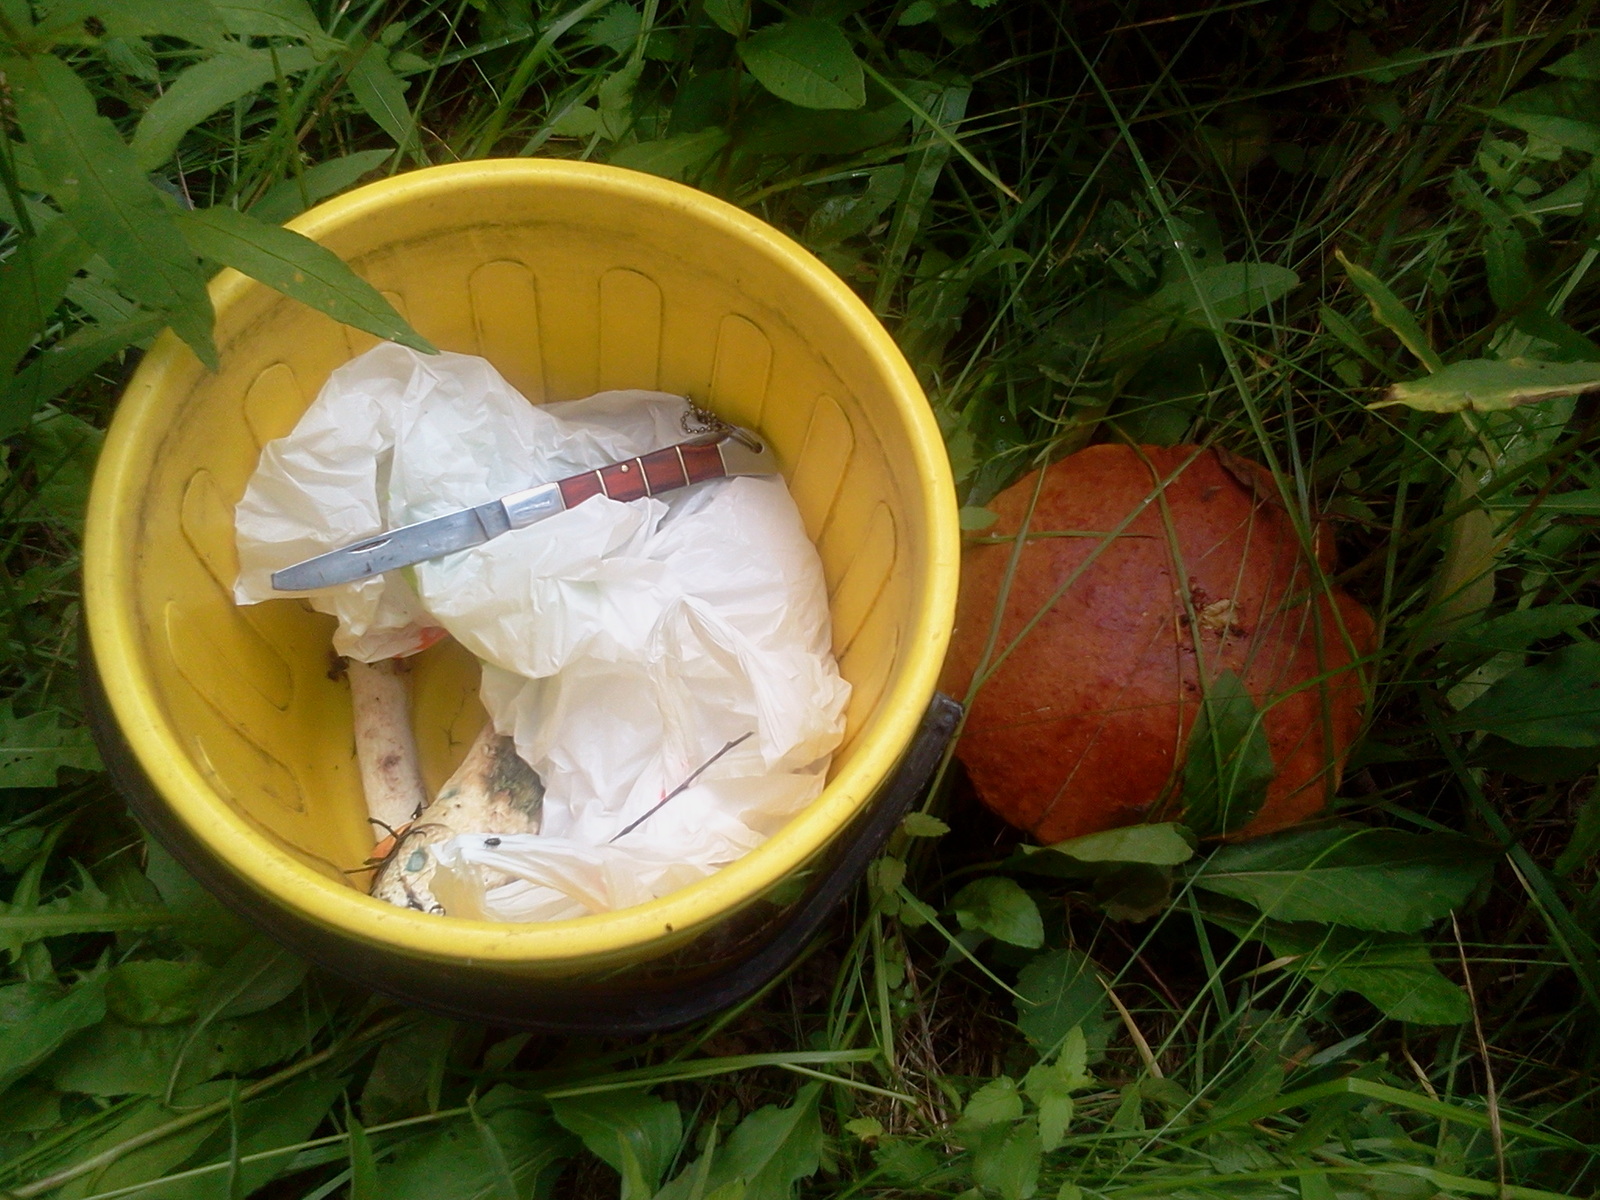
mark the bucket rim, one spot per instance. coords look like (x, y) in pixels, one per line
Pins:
(110, 564)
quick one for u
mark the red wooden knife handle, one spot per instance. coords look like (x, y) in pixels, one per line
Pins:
(657, 472)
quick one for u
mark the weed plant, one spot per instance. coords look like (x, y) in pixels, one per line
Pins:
(1239, 224)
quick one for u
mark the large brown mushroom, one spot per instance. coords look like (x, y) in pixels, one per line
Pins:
(1085, 725)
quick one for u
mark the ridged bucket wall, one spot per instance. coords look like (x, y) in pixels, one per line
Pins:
(570, 278)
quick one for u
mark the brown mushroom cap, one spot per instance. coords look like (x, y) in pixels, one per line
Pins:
(1083, 726)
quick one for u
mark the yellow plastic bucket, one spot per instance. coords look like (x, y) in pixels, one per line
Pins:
(225, 725)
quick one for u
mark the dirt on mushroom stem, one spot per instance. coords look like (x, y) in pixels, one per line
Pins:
(493, 792)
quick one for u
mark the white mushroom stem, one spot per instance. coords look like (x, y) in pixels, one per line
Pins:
(391, 774)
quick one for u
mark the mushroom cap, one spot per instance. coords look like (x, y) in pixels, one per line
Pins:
(1084, 724)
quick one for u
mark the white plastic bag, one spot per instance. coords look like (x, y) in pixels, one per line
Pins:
(624, 644)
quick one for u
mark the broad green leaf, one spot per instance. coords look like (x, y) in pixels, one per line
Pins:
(923, 825)
(278, 18)
(103, 191)
(1375, 879)
(1073, 1059)
(299, 268)
(1566, 200)
(1505, 261)
(999, 907)
(1228, 291)
(783, 129)
(614, 100)
(18, 846)
(679, 157)
(449, 1162)
(201, 920)
(33, 1031)
(290, 197)
(1165, 844)
(1222, 293)
(382, 95)
(85, 909)
(1536, 764)
(200, 90)
(409, 1067)
(1514, 632)
(1228, 765)
(808, 62)
(1396, 973)
(730, 16)
(771, 1150)
(1391, 313)
(503, 1184)
(114, 1058)
(1006, 1160)
(633, 1132)
(617, 28)
(1131, 891)
(132, 57)
(1050, 1087)
(195, 21)
(285, 1117)
(905, 1162)
(1582, 63)
(94, 293)
(62, 364)
(1491, 384)
(841, 217)
(1555, 702)
(258, 975)
(64, 452)
(33, 280)
(151, 1160)
(581, 120)
(1060, 992)
(35, 747)
(887, 874)
(31, 1107)
(156, 991)
(1561, 112)
(867, 1129)
(995, 1102)
(1055, 1115)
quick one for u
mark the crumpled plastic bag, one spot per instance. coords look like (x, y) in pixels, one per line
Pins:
(623, 644)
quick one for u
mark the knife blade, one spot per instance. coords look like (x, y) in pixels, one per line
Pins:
(727, 451)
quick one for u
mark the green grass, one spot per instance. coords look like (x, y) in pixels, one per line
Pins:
(1039, 200)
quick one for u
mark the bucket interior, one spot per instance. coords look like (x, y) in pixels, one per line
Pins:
(566, 292)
